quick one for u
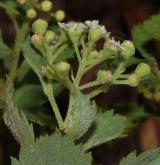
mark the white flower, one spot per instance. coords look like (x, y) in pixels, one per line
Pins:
(95, 24)
(74, 30)
(73, 26)
(115, 43)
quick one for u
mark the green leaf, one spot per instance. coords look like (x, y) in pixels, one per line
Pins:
(10, 8)
(67, 54)
(140, 38)
(146, 32)
(152, 26)
(151, 157)
(80, 115)
(53, 150)
(26, 95)
(40, 117)
(105, 128)
(34, 59)
(24, 99)
(17, 122)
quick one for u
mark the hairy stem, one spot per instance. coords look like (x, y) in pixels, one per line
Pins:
(21, 34)
(48, 89)
(77, 52)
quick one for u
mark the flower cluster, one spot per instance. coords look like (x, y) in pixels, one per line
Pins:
(83, 38)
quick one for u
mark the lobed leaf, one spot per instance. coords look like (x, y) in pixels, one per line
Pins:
(106, 127)
(151, 157)
(17, 122)
(55, 149)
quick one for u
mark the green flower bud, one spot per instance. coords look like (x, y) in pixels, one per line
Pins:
(60, 15)
(96, 31)
(94, 34)
(74, 36)
(46, 5)
(49, 35)
(31, 13)
(104, 76)
(73, 30)
(93, 55)
(110, 49)
(128, 49)
(40, 26)
(143, 70)
(62, 69)
(133, 80)
(37, 40)
(21, 2)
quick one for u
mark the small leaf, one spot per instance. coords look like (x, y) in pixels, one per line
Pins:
(106, 128)
(80, 116)
(53, 150)
(17, 122)
(151, 157)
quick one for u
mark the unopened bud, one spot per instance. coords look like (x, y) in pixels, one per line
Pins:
(62, 69)
(37, 40)
(31, 13)
(133, 80)
(46, 5)
(104, 76)
(49, 35)
(21, 2)
(128, 49)
(143, 70)
(60, 15)
(40, 26)
(110, 49)
(93, 55)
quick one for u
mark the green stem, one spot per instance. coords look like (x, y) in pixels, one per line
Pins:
(21, 34)
(120, 82)
(90, 84)
(59, 43)
(99, 90)
(82, 64)
(79, 74)
(119, 70)
(77, 52)
(83, 43)
(55, 55)
(48, 89)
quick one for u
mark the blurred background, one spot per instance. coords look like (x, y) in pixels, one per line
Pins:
(119, 17)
